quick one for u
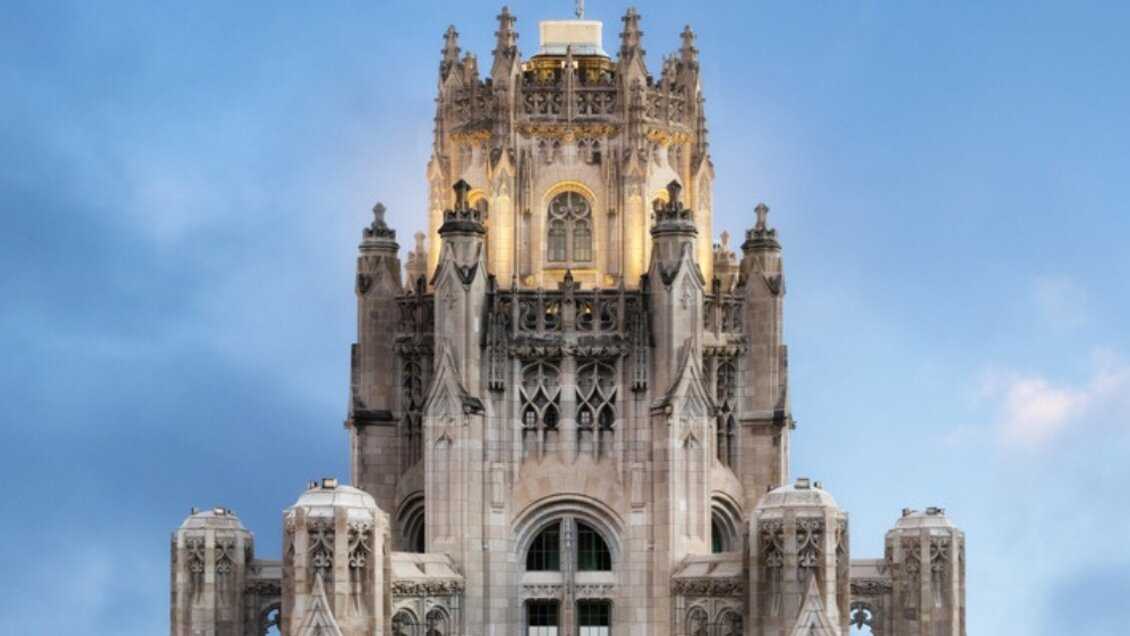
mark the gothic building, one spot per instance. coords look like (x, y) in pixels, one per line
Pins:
(571, 415)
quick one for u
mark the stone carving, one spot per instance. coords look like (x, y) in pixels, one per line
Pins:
(194, 547)
(542, 590)
(809, 539)
(446, 587)
(870, 587)
(225, 550)
(709, 587)
(595, 590)
(360, 533)
(321, 546)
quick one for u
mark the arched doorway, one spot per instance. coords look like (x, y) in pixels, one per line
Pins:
(567, 578)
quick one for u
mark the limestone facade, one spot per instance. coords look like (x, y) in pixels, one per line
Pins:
(571, 414)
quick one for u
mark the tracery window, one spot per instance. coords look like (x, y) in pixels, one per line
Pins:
(569, 229)
(726, 393)
(541, 399)
(404, 624)
(436, 623)
(596, 406)
(412, 405)
(698, 623)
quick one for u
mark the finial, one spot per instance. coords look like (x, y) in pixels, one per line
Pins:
(673, 190)
(461, 188)
(420, 238)
(580, 11)
(762, 211)
(688, 51)
(450, 51)
(631, 36)
(378, 228)
(725, 240)
(507, 37)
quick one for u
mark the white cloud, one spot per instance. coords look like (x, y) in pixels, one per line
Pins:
(1032, 410)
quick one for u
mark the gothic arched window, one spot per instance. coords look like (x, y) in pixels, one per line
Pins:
(596, 406)
(561, 553)
(592, 552)
(545, 552)
(727, 388)
(541, 397)
(569, 229)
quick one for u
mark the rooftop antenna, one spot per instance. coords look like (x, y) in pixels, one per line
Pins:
(580, 11)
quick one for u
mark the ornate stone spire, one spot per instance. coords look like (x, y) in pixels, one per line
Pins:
(631, 38)
(688, 54)
(506, 45)
(450, 51)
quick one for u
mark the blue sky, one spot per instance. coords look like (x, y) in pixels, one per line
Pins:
(183, 185)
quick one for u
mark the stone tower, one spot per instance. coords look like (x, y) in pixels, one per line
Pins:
(573, 416)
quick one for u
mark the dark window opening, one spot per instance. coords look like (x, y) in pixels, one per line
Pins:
(594, 618)
(545, 552)
(541, 618)
(592, 551)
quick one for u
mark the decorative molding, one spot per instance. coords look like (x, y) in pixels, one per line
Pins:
(446, 587)
(708, 587)
(871, 587)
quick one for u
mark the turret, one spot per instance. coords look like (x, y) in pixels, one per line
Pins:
(373, 404)
(925, 554)
(681, 413)
(677, 286)
(336, 567)
(211, 552)
(799, 563)
(763, 404)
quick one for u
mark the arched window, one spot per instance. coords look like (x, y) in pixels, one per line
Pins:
(559, 555)
(569, 229)
(698, 623)
(541, 398)
(411, 524)
(545, 552)
(730, 623)
(596, 406)
(727, 388)
(437, 623)
(592, 552)
(404, 624)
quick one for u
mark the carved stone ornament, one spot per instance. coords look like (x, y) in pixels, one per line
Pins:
(568, 132)
(542, 590)
(264, 588)
(595, 590)
(447, 587)
(870, 587)
(708, 587)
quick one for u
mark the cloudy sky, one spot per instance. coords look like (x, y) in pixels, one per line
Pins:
(183, 185)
